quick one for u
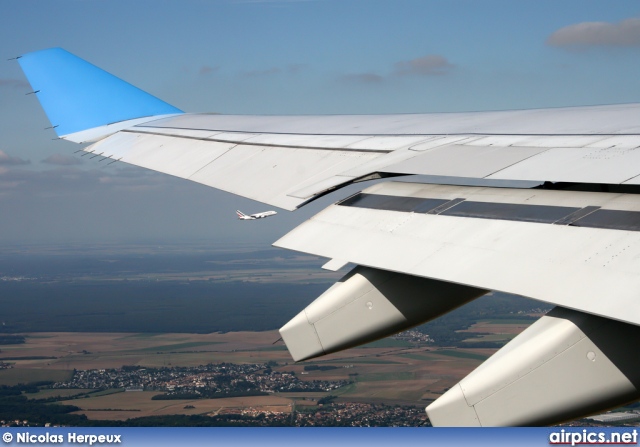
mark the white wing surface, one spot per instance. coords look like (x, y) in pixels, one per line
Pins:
(287, 162)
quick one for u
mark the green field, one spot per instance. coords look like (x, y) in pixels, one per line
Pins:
(497, 338)
(107, 392)
(142, 335)
(63, 393)
(175, 347)
(378, 377)
(344, 390)
(388, 343)
(271, 348)
(462, 354)
(371, 361)
(25, 375)
(523, 321)
(422, 358)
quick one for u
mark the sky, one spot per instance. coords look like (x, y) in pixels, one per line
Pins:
(281, 57)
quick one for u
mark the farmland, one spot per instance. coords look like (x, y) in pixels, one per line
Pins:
(392, 372)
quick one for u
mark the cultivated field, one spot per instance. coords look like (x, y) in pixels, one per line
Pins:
(125, 405)
(389, 371)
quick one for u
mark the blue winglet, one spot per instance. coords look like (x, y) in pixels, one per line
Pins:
(77, 95)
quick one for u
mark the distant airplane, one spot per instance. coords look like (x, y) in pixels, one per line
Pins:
(563, 228)
(255, 216)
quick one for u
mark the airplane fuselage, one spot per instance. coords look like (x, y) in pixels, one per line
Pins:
(255, 216)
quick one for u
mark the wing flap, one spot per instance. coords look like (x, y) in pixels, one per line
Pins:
(282, 176)
(464, 161)
(178, 157)
(585, 268)
(580, 165)
(324, 185)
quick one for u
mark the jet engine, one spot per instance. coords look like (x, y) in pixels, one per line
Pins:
(368, 304)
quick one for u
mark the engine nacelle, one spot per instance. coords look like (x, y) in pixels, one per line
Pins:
(566, 365)
(368, 304)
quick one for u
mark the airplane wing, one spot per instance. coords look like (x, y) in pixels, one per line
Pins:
(288, 161)
(421, 250)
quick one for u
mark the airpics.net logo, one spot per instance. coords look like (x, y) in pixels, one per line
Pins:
(70, 438)
(587, 437)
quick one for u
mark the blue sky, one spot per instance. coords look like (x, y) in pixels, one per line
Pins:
(282, 57)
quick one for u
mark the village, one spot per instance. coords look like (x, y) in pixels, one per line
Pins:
(222, 378)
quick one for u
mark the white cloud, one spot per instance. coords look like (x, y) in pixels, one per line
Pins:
(273, 1)
(363, 78)
(597, 34)
(296, 68)
(62, 160)
(292, 69)
(429, 65)
(206, 70)
(14, 83)
(6, 159)
(265, 72)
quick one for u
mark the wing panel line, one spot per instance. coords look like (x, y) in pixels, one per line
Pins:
(481, 134)
(249, 143)
(516, 162)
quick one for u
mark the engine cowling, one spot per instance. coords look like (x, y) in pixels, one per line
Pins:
(566, 365)
(368, 304)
